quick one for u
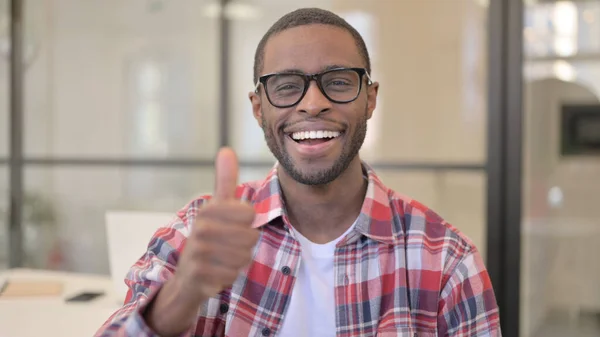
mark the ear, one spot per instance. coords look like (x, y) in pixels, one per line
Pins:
(256, 102)
(372, 91)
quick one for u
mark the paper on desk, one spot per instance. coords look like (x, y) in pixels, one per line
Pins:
(22, 288)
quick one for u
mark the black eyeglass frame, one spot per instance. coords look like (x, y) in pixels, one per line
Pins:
(317, 78)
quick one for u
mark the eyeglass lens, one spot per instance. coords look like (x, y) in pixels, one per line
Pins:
(338, 85)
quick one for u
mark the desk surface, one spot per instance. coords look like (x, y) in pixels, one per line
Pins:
(52, 316)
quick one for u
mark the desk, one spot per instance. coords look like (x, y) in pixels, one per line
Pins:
(52, 316)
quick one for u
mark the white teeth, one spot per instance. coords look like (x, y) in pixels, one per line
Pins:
(320, 134)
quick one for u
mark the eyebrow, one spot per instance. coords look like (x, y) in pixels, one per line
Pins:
(299, 71)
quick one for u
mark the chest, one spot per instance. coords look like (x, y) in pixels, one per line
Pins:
(367, 285)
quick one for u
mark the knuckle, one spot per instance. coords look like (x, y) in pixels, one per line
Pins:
(252, 235)
(198, 272)
(206, 228)
(248, 213)
(205, 209)
(239, 211)
(204, 252)
(198, 254)
(229, 211)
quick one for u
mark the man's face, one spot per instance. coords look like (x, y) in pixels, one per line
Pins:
(316, 139)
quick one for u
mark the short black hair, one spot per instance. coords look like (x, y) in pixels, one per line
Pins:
(308, 16)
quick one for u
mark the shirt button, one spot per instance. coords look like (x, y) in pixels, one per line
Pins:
(286, 270)
(223, 308)
(266, 331)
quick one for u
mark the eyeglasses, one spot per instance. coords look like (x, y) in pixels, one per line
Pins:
(340, 85)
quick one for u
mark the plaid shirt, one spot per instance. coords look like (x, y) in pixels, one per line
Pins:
(402, 271)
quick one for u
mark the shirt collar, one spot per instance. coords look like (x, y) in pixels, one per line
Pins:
(376, 221)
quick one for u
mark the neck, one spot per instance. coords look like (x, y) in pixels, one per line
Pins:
(322, 213)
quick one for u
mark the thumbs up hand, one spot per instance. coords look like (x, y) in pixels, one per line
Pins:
(219, 245)
(221, 241)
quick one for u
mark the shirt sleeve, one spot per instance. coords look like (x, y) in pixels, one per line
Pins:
(468, 305)
(145, 279)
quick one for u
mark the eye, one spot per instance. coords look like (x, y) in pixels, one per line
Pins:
(287, 87)
(339, 82)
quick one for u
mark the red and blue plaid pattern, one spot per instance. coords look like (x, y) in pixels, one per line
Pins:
(403, 271)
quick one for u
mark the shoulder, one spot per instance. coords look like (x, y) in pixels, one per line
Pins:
(245, 192)
(445, 265)
(440, 240)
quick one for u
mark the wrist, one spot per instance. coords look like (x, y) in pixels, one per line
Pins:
(171, 312)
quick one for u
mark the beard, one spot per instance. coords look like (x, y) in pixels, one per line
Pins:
(323, 176)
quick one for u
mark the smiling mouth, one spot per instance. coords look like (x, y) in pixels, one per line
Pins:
(314, 137)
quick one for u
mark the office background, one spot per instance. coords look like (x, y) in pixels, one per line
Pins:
(122, 105)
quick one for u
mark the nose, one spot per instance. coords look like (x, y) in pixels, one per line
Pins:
(314, 102)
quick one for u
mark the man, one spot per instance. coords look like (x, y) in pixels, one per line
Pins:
(320, 247)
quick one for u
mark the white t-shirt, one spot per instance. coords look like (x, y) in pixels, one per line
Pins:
(311, 310)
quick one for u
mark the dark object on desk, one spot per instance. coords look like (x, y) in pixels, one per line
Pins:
(84, 297)
(580, 130)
